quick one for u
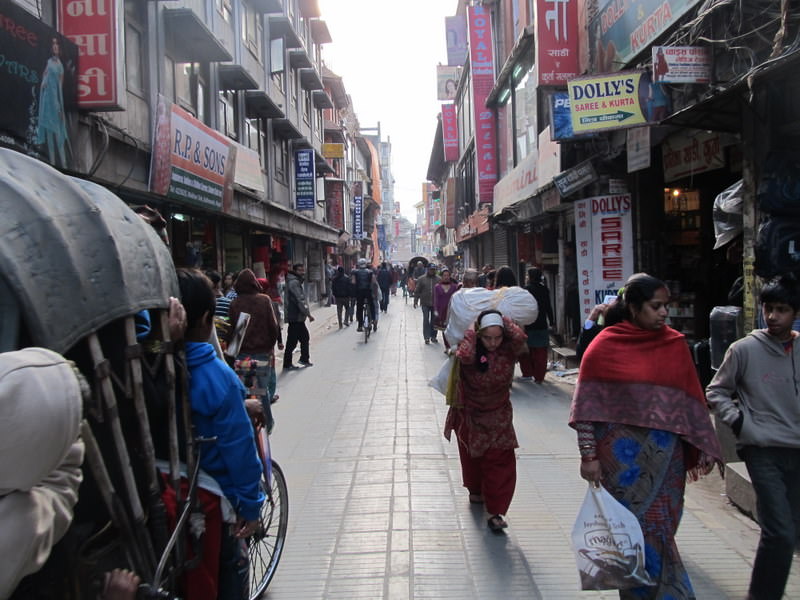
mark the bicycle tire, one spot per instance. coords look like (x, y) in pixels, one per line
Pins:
(266, 546)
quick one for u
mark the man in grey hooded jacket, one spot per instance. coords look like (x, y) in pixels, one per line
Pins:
(763, 371)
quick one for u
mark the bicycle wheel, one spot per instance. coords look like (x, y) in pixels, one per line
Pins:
(266, 545)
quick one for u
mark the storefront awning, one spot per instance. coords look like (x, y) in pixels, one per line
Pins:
(281, 26)
(310, 79)
(235, 77)
(299, 59)
(260, 106)
(321, 99)
(286, 129)
(319, 31)
(546, 199)
(190, 40)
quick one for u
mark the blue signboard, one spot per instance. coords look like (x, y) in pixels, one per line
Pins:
(358, 215)
(304, 179)
(561, 117)
(382, 237)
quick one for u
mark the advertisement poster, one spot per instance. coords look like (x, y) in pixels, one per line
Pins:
(456, 34)
(94, 26)
(561, 116)
(681, 64)
(450, 132)
(304, 179)
(482, 64)
(358, 211)
(191, 161)
(39, 82)
(334, 194)
(624, 28)
(604, 247)
(447, 82)
(557, 41)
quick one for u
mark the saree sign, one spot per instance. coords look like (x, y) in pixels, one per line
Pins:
(624, 28)
(450, 132)
(190, 161)
(685, 155)
(94, 26)
(606, 102)
(557, 41)
(482, 64)
(604, 247)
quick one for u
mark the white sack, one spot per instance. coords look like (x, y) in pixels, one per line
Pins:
(516, 303)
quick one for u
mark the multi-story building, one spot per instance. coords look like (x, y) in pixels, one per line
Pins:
(214, 112)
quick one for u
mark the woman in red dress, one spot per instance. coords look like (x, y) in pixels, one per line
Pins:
(481, 415)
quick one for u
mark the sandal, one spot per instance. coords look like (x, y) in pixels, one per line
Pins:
(275, 398)
(476, 498)
(496, 523)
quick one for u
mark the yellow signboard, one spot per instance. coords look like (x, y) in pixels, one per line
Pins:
(333, 150)
(612, 101)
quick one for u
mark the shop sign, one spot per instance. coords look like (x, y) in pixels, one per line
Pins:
(624, 28)
(482, 65)
(331, 150)
(94, 25)
(446, 82)
(450, 132)
(571, 180)
(248, 173)
(304, 179)
(456, 35)
(560, 116)
(611, 101)
(450, 203)
(604, 247)
(358, 211)
(549, 156)
(521, 183)
(689, 154)
(39, 88)
(681, 64)
(334, 194)
(638, 148)
(557, 41)
(382, 237)
(190, 161)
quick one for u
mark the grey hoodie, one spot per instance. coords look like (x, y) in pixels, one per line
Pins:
(766, 380)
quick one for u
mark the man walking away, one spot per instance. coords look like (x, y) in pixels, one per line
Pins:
(363, 278)
(340, 286)
(423, 293)
(763, 371)
(482, 281)
(534, 362)
(384, 282)
(296, 309)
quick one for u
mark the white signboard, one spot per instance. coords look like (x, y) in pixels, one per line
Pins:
(638, 148)
(681, 64)
(689, 154)
(604, 247)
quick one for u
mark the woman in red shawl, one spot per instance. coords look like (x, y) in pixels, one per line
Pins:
(481, 415)
(643, 425)
(442, 292)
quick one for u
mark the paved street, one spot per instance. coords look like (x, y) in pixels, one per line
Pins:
(376, 504)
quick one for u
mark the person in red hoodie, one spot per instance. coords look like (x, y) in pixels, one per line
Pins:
(262, 333)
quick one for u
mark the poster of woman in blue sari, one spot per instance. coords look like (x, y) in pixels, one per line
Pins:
(52, 124)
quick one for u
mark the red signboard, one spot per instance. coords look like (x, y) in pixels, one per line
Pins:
(334, 195)
(557, 43)
(482, 64)
(450, 132)
(93, 26)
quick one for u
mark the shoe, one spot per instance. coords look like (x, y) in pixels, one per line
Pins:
(434, 340)
(274, 399)
(497, 523)
(290, 368)
(374, 327)
(360, 328)
(427, 341)
(306, 363)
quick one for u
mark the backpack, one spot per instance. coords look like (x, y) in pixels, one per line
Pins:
(363, 279)
(778, 190)
(777, 247)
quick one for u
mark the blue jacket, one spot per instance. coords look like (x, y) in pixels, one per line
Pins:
(217, 399)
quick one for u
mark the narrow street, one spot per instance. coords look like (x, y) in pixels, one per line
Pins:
(376, 507)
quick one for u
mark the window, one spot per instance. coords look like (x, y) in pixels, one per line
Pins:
(293, 87)
(281, 154)
(134, 59)
(276, 55)
(307, 107)
(525, 127)
(256, 138)
(169, 78)
(183, 85)
(224, 8)
(227, 114)
(252, 30)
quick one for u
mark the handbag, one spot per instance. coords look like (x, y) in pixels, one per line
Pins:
(608, 543)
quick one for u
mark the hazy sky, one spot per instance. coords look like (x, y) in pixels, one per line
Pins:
(386, 52)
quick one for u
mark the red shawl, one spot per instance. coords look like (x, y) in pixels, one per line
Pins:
(646, 378)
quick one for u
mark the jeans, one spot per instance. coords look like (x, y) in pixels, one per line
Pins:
(428, 331)
(343, 308)
(234, 566)
(297, 332)
(384, 299)
(267, 380)
(775, 473)
(365, 296)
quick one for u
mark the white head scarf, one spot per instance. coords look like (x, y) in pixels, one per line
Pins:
(40, 414)
(490, 320)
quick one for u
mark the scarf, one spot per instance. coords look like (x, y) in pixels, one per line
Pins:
(646, 378)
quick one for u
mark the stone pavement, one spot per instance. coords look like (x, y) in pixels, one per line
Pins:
(376, 507)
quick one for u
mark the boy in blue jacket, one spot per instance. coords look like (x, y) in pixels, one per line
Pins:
(218, 411)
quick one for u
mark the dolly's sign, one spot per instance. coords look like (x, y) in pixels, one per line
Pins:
(609, 101)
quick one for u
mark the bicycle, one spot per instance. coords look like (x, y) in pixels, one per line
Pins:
(366, 324)
(266, 544)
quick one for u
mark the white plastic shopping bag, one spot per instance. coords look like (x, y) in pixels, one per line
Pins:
(439, 381)
(608, 543)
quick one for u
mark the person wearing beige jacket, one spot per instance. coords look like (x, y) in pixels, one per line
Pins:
(40, 458)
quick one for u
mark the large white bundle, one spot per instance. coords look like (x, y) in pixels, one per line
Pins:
(515, 302)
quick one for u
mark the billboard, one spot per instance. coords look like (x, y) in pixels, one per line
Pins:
(456, 37)
(681, 64)
(190, 161)
(450, 132)
(304, 179)
(447, 82)
(557, 41)
(39, 82)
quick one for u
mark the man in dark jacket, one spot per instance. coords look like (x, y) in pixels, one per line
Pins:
(423, 293)
(534, 363)
(340, 286)
(362, 279)
(384, 282)
(296, 311)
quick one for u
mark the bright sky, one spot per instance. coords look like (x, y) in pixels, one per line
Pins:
(386, 52)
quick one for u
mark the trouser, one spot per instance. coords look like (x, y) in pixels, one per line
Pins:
(384, 299)
(267, 380)
(362, 297)
(534, 363)
(428, 331)
(297, 333)
(775, 473)
(342, 308)
(493, 475)
(234, 566)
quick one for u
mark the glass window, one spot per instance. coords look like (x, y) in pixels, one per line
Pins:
(281, 154)
(183, 85)
(293, 86)
(224, 8)
(276, 55)
(169, 78)
(227, 114)
(525, 127)
(307, 107)
(134, 59)
(252, 30)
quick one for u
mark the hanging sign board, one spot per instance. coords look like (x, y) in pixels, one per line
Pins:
(571, 180)
(611, 101)
(304, 179)
(681, 64)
